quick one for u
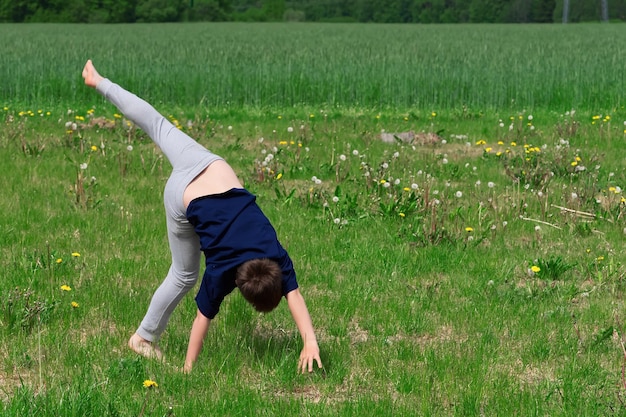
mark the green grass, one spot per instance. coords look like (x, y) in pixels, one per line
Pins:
(415, 313)
(226, 66)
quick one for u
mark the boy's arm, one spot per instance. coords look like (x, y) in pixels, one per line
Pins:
(310, 351)
(196, 339)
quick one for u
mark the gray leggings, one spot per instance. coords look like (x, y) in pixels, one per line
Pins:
(188, 159)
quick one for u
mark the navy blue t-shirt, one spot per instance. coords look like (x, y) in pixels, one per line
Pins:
(232, 230)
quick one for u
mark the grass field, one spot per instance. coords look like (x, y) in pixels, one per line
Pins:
(478, 270)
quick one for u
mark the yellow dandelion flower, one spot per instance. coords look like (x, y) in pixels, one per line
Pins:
(311, 116)
(378, 117)
(487, 149)
(612, 189)
(76, 254)
(66, 288)
(481, 142)
(48, 113)
(59, 260)
(299, 145)
(513, 143)
(573, 163)
(406, 119)
(148, 383)
(280, 117)
(6, 108)
(279, 176)
(94, 148)
(292, 142)
(74, 304)
(433, 114)
(578, 159)
(406, 189)
(498, 153)
(469, 229)
(500, 142)
(596, 117)
(383, 181)
(622, 200)
(402, 214)
(535, 268)
(117, 116)
(588, 250)
(600, 258)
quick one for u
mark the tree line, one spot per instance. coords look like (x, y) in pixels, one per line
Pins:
(375, 11)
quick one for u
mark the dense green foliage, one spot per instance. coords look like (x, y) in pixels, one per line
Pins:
(409, 68)
(379, 11)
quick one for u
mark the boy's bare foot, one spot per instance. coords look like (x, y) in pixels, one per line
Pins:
(145, 348)
(91, 76)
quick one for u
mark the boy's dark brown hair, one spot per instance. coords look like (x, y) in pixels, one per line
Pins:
(260, 283)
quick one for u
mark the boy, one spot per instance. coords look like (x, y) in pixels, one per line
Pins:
(207, 209)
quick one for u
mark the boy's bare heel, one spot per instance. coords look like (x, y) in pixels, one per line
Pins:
(145, 348)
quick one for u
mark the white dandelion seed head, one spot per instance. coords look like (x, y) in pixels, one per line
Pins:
(490, 282)
(396, 181)
(443, 141)
(290, 129)
(458, 194)
(318, 181)
(385, 165)
(337, 220)
(74, 126)
(396, 154)
(530, 117)
(493, 227)
(491, 184)
(230, 128)
(501, 124)
(307, 149)
(444, 161)
(313, 178)
(579, 168)
(537, 228)
(611, 174)
(470, 238)
(261, 139)
(68, 124)
(335, 199)
(301, 127)
(435, 192)
(511, 127)
(414, 186)
(129, 148)
(532, 127)
(526, 186)
(436, 202)
(387, 184)
(574, 196)
(342, 157)
(263, 151)
(344, 222)
(83, 166)
(540, 193)
(355, 152)
(477, 183)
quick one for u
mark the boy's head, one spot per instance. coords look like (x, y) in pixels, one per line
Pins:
(260, 283)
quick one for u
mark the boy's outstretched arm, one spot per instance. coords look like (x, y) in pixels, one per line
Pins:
(310, 351)
(196, 339)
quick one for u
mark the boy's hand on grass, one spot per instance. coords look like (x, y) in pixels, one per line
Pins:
(310, 353)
